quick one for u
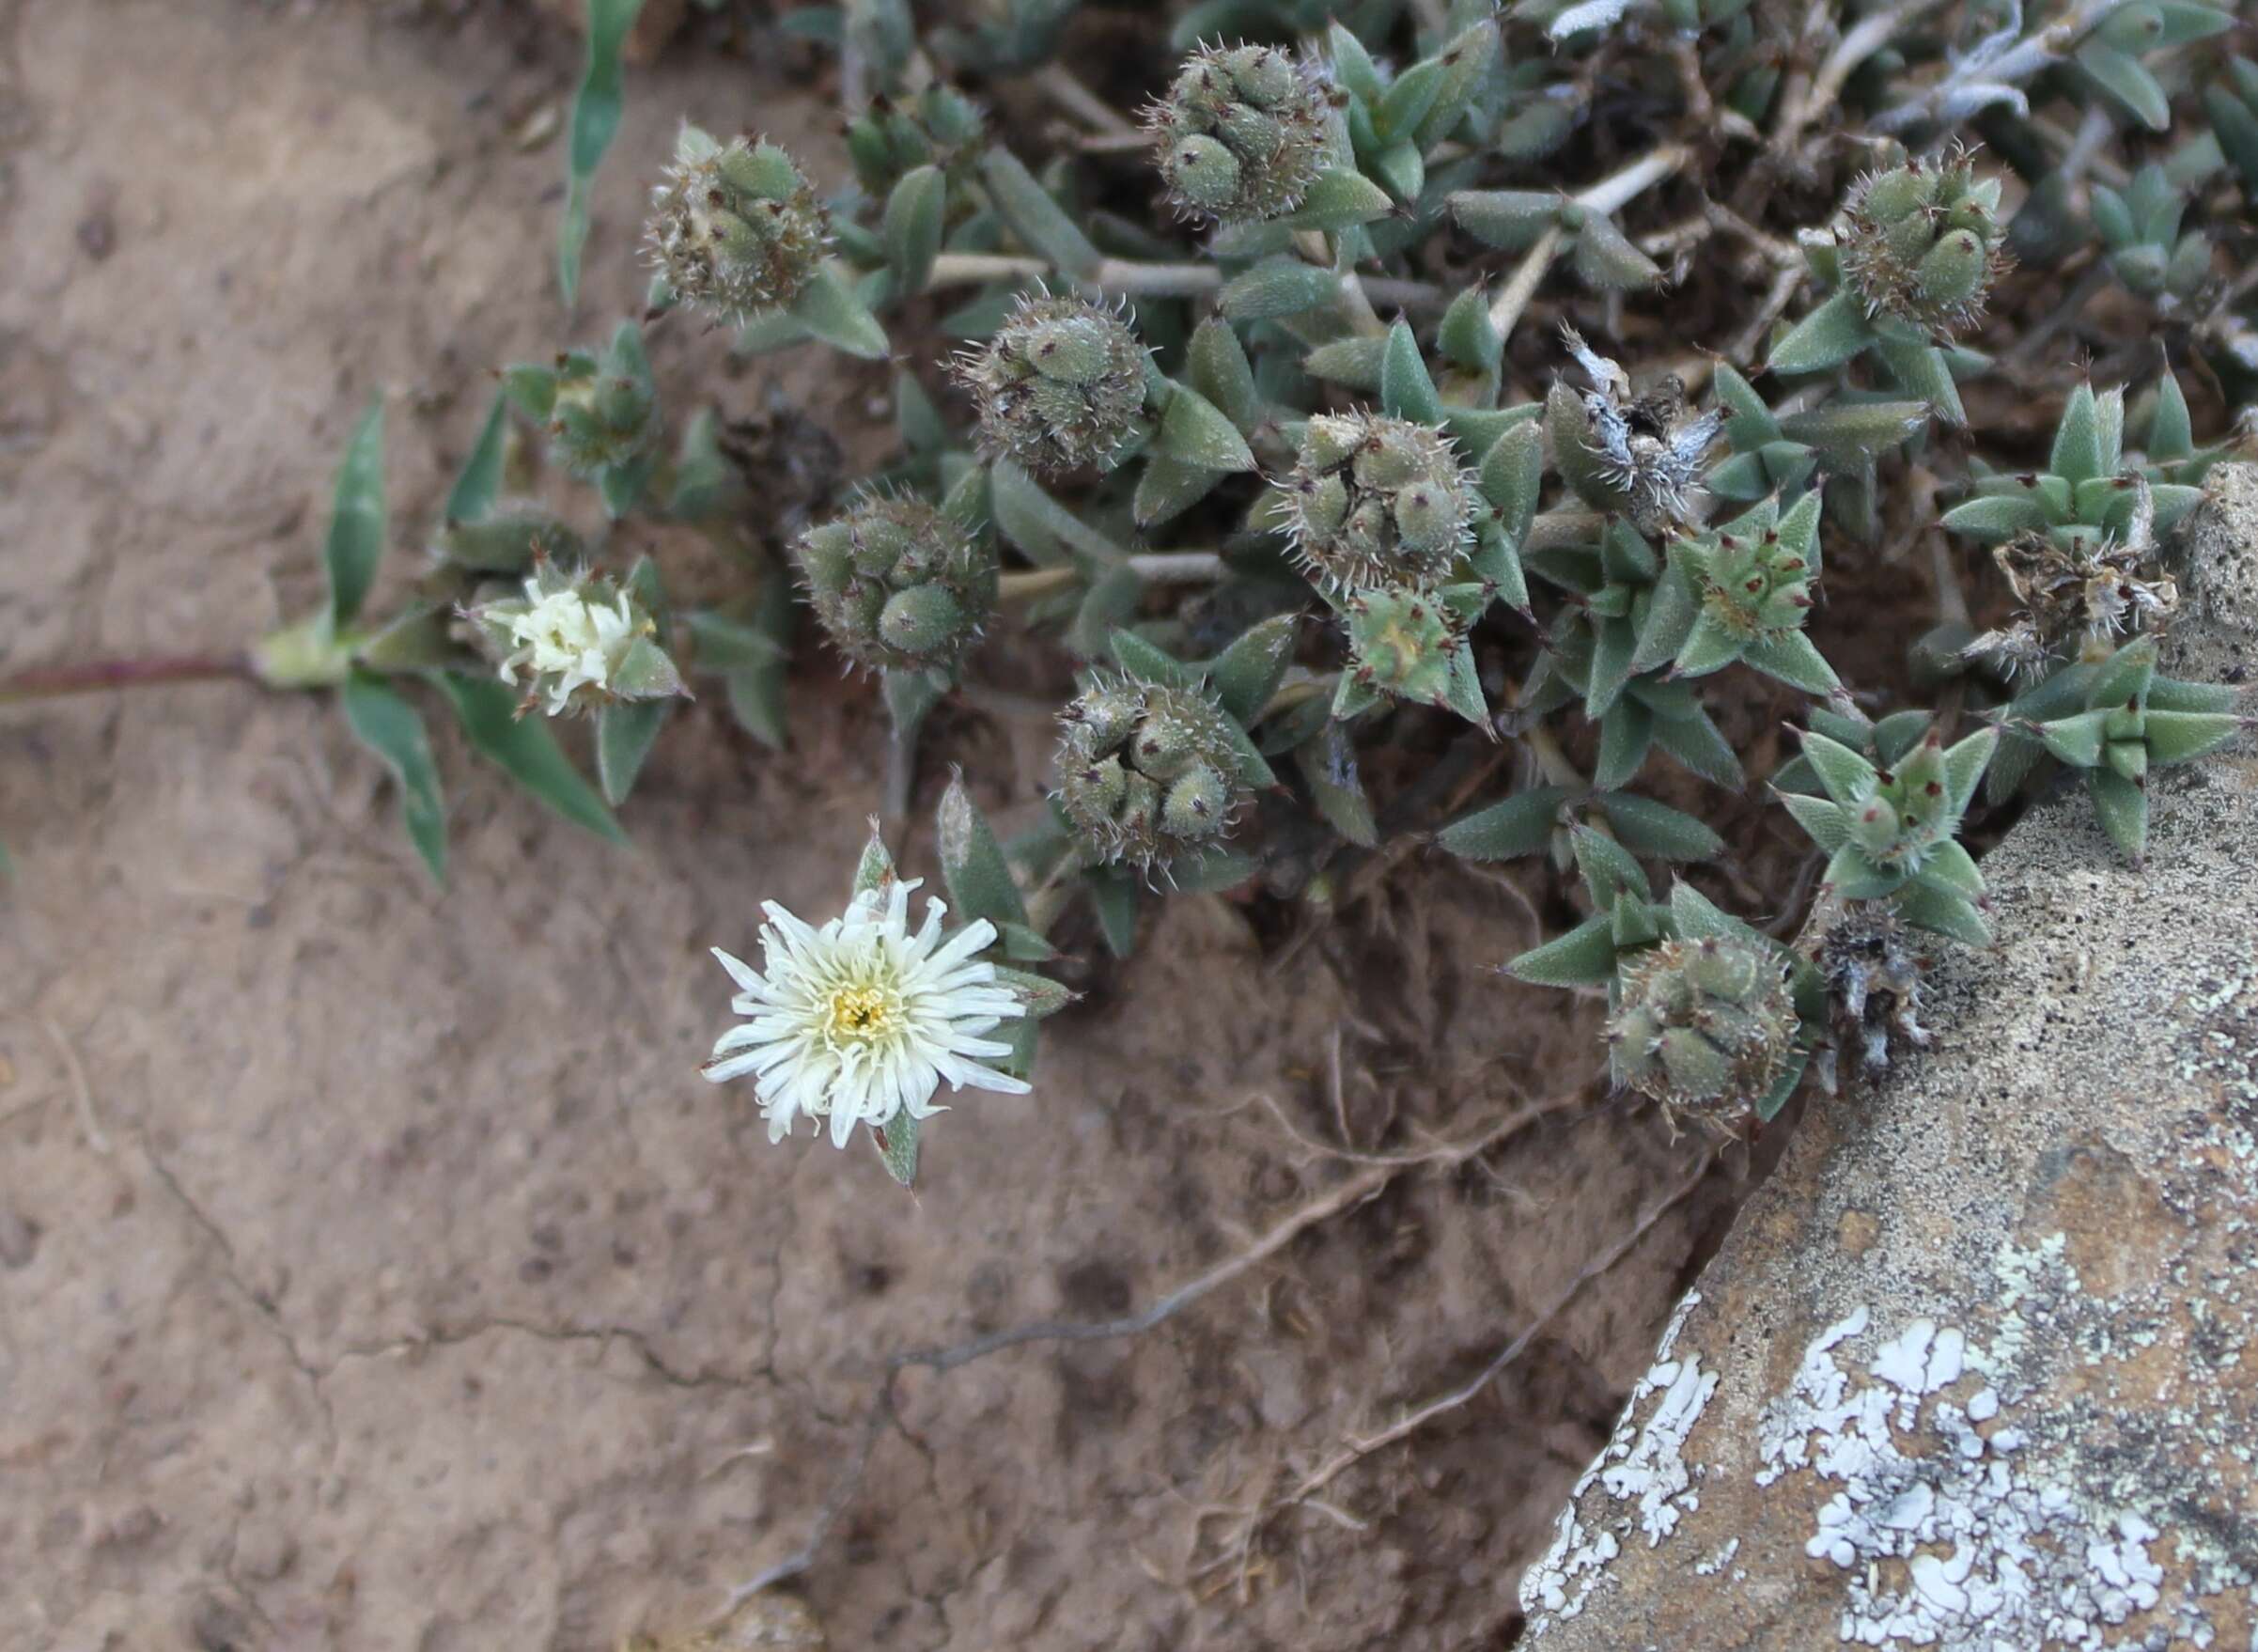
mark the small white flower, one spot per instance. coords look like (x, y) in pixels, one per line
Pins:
(860, 1019)
(568, 641)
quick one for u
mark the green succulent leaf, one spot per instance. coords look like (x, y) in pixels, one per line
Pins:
(525, 750)
(1584, 956)
(355, 543)
(388, 725)
(596, 110)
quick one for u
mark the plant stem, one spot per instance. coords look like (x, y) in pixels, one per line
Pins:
(1135, 277)
(2018, 62)
(1164, 568)
(1610, 195)
(50, 682)
(1060, 85)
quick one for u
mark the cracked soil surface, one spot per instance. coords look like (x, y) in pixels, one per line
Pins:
(375, 1269)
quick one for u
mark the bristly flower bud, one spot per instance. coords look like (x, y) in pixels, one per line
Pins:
(1377, 501)
(603, 416)
(1240, 132)
(1705, 1028)
(1146, 770)
(580, 641)
(1640, 455)
(898, 585)
(1412, 645)
(735, 227)
(1060, 386)
(1921, 243)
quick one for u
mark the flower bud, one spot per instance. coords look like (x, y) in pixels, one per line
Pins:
(579, 641)
(1704, 1028)
(898, 585)
(1921, 244)
(1146, 770)
(1411, 644)
(735, 227)
(1060, 386)
(1240, 133)
(601, 416)
(1377, 501)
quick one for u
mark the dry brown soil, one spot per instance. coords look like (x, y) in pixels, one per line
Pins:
(375, 1269)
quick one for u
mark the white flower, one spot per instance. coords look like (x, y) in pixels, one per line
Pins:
(568, 641)
(860, 1019)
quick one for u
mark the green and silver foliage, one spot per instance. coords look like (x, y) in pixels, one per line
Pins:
(899, 585)
(1889, 819)
(1240, 132)
(1061, 385)
(1315, 405)
(735, 229)
(2127, 721)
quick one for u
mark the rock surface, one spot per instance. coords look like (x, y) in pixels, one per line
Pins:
(1975, 1368)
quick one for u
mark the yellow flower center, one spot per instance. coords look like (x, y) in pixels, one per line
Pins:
(861, 1015)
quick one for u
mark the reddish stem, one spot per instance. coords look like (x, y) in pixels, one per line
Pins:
(47, 683)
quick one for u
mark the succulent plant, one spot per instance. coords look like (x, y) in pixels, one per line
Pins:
(508, 539)
(1374, 501)
(1755, 577)
(1705, 1028)
(2139, 226)
(1147, 771)
(1240, 132)
(1894, 831)
(1060, 386)
(2129, 721)
(898, 585)
(735, 229)
(2087, 499)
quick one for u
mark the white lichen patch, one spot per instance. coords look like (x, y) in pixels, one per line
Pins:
(1948, 1536)
(1642, 1472)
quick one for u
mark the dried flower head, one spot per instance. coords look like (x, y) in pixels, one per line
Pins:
(1060, 386)
(735, 227)
(1920, 243)
(1866, 958)
(898, 585)
(1377, 501)
(1146, 770)
(2079, 597)
(579, 642)
(1705, 1028)
(861, 1020)
(1239, 132)
(1639, 454)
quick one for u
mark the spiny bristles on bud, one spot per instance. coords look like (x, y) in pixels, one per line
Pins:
(1377, 501)
(2078, 599)
(1406, 643)
(1642, 455)
(735, 227)
(898, 585)
(1921, 243)
(1146, 770)
(1240, 135)
(1705, 1028)
(600, 417)
(579, 642)
(1060, 386)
